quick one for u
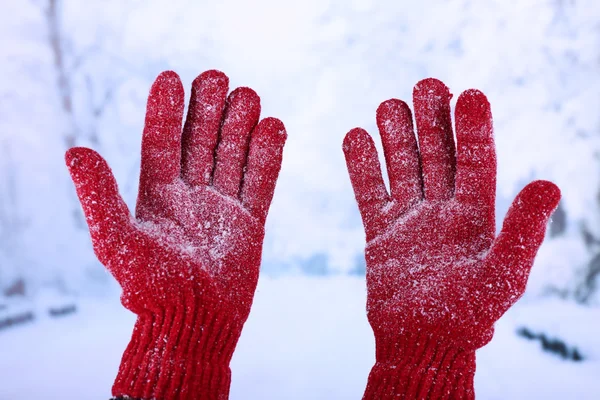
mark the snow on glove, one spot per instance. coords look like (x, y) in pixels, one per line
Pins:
(188, 262)
(437, 277)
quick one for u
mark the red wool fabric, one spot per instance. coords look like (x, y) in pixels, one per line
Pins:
(188, 262)
(437, 275)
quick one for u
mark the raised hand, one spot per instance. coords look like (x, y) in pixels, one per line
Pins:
(437, 276)
(188, 262)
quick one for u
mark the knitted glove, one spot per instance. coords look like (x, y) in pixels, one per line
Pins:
(437, 277)
(188, 262)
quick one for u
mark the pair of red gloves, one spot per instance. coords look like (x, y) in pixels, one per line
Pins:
(188, 262)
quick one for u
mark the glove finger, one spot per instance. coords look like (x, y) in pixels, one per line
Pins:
(201, 129)
(106, 213)
(264, 163)
(241, 116)
(365, 174)
(436, 141)
(161, 141)
(476, 164)
(508, 263)
(394, 120)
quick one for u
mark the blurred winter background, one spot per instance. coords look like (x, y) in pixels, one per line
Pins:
(77, 73)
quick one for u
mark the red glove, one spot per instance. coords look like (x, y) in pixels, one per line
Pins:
(437, 278)
(188, 262)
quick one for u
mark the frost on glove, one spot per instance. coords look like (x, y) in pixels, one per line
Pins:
(188, 262)
(437, 277)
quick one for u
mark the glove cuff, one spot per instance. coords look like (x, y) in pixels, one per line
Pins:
(181, 352)
(421, 367)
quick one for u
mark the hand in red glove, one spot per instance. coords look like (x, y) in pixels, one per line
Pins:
(437, 277)
(188, 262)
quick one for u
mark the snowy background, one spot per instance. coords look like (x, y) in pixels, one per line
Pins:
(78, 72)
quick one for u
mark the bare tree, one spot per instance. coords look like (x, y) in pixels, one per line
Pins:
(82, 123)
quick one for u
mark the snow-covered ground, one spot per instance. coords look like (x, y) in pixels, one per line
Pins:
(306, 338)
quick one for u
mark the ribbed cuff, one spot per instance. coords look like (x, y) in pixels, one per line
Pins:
(179, 353)
(421, 367)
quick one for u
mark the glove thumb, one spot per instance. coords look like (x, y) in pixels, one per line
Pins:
(509, 262)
